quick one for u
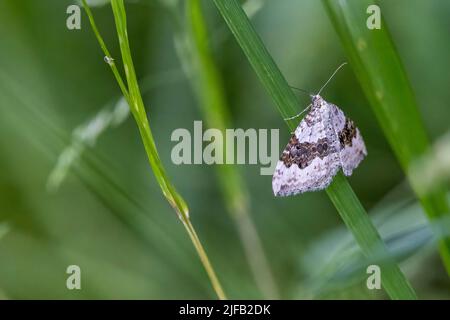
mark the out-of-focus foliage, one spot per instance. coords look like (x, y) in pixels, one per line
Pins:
(108, 215)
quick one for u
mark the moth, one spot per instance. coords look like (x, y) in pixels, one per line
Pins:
(324, 142)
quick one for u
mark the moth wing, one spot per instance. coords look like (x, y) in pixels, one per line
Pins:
(290, 178)
(352, 147)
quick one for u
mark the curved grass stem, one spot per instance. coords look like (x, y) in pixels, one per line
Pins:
(192, 43)
(131, 93)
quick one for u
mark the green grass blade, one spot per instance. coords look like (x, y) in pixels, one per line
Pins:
(378, 67)
(98, 175)
(367, 236)
(208, 87)
(192, 44)
(340, 192)
(111, 115)
(404, 228)
(132, 94)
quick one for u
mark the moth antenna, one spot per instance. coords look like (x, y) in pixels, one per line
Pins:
(334, 73)
(301, 90)
(298, 115)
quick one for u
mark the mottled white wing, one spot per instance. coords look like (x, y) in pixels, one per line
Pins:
(293, 180)
(313, 172)
(352, 147)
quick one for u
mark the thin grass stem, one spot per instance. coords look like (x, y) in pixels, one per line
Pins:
(134, 99)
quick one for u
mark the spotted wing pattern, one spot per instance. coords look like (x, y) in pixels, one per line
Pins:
(324, 142)
(310, 160)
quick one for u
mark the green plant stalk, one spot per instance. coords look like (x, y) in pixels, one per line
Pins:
(192, 47)
(208, 87)
(367, 236)
(95, 172)
(340, 192)
(134, 100)
(380, 72)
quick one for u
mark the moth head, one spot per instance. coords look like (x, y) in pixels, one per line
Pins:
(316, 100)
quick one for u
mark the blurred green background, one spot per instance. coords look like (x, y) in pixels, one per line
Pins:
(109, 217)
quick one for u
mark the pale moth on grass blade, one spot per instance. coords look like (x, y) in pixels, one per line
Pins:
(324, 142)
